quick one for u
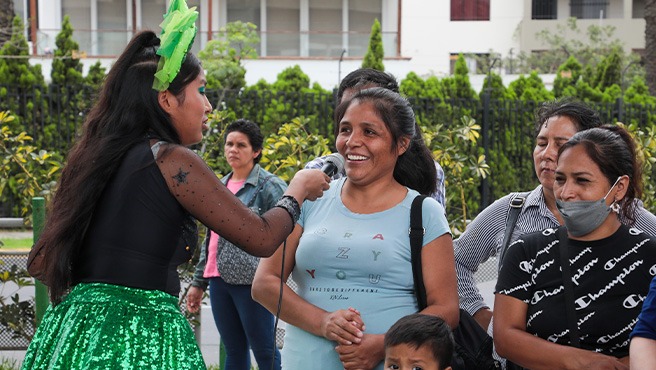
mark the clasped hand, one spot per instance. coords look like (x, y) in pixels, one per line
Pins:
(343, 326)
(356, 350)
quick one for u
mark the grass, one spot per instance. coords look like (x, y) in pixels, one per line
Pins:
(14, 244)
(8, 364)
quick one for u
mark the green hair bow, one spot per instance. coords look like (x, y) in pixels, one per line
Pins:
(178, 33)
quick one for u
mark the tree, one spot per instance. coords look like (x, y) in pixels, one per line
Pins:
(6, 17)
(95, 77)
(222, 57)
(66, 70)
(374, 56)
(18, 71)
(24, 83)
(292, 79)
(650, 44)
(458, 86)
(567, 75)
(530, 87)
(609, 71)
(566, 42)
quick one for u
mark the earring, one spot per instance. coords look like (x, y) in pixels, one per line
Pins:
(615, 207)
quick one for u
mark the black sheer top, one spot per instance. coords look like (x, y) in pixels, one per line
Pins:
(139, 233)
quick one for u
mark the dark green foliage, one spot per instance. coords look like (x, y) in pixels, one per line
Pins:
(18, 71)
(290, 96)
(585, 92)
(95, 77)
(638, 93)
(26, 81)
(429, 99)
(76, 92)
(66, 70)
(222, 57)
(530, 88)
(458, 86)
(375, 53)
(412, 85)
(568, 75)
(292, 79)
(493, 85)
(609, 71)
(440, 104)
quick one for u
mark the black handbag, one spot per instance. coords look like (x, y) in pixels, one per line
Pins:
(473, 346)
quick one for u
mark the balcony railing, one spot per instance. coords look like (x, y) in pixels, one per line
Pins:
(589, 9)
(272, 44)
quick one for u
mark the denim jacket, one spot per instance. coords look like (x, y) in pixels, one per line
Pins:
(271, 189)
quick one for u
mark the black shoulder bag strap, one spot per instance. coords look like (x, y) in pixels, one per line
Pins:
(568, 288)
(417, 232)
(516, 205)
(472, 345)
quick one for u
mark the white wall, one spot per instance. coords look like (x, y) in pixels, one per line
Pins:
(325, 72)
(46, 65)
(428, 35)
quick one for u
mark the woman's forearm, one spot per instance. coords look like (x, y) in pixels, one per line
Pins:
(294, 310)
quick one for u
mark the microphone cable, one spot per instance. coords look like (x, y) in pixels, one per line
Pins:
(275, 324)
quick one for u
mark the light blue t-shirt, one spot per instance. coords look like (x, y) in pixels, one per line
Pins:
(345, 259)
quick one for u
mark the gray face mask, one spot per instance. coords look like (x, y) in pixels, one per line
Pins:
(584, 216)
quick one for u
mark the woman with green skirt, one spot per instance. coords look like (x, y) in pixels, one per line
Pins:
(123, 216)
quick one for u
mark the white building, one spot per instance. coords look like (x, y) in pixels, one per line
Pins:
(328, 38)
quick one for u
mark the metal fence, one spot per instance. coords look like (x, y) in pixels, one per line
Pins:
(19, 259)
(8, 341)
(52, 115)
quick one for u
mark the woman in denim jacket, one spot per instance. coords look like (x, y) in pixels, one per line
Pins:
(242, 323)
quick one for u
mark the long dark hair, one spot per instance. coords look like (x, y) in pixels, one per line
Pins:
(127, 112)
(415, 168)
(612, 148)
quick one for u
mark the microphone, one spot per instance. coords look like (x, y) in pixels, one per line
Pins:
(334, 164)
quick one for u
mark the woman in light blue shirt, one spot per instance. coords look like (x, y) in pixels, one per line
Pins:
(350, 251)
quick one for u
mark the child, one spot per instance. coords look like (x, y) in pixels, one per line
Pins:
(419, 342)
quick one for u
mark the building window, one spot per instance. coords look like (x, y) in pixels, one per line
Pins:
(79, 13)
(282, 26)
(361, 16)
(247, 11)
(589, 9)
(544, 9)
(151, 14)
(315, 28)
(22, 9)
(470, 10)
(638, 9)
(324, 41)
(112, 21)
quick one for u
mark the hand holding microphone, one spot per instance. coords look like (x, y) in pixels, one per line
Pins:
(334, 164)
(311, 183)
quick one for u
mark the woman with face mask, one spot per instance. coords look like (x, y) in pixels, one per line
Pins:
(541, 321)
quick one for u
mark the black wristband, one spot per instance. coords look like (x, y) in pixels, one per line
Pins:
(290, 204)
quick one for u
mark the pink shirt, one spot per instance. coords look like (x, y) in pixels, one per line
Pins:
(211, 270)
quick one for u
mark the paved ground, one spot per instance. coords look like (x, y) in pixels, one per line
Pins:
(12, 234)
(209, 336)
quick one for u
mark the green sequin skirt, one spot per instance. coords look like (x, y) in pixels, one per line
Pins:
(104, 326)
